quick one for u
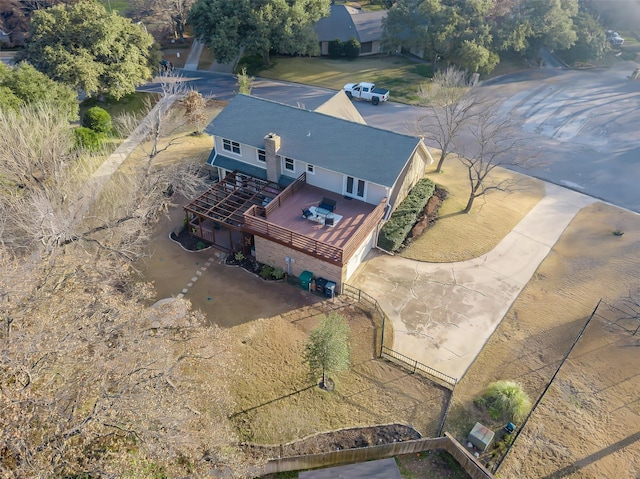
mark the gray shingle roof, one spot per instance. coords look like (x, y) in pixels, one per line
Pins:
(342, 24)
(339, 145)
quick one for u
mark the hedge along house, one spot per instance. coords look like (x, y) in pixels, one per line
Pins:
(278, 164)
(345, 23)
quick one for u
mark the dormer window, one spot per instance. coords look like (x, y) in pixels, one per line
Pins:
(232, 146)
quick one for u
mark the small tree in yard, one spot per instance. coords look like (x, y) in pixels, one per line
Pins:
(194, 105)
(450, 101)
(244, 82)
(328, 348)
(495, 142)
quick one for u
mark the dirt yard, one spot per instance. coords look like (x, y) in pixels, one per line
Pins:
(588, 424)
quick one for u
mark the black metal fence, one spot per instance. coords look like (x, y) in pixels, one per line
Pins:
(388, 353)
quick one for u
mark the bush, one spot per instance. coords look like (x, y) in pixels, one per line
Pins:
(266, 272)
(87, 138)
(336, 48)
(98, 120)
(395, 231)
(277, 273)
(507, 400)
(351, 48)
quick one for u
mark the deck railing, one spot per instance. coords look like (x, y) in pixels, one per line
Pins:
(297, 185)
(260, 226)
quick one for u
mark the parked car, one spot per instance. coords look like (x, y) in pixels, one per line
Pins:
(614, 38)
(366, 91)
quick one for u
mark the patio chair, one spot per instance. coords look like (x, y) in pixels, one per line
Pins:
(328, 221)
(306, 213)
(327, 204)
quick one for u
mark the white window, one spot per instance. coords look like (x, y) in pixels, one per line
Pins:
(355, 187)
(232, 146)
(310, 169)
(289, 164)
(262, 156)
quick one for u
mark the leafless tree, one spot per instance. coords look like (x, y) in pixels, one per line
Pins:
(94, 382)
(495, 142)
(452, 103)
(194, 105)
(172, 14)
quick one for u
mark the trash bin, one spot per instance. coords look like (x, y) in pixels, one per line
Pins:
(320, 283)
(305, 278)
(330, 289)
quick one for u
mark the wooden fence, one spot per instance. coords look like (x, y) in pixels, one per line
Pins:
(351, 456)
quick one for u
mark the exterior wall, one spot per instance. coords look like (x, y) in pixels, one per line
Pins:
(414, 171)
(326, 179)
(376, 193)
(274, 255)
(359, 255)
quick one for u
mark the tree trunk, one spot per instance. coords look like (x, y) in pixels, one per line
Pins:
(443, 155)
(265, 57)
(467, 208)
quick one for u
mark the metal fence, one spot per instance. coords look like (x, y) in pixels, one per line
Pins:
(388, 353)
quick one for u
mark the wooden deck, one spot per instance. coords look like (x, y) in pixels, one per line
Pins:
(283, 222)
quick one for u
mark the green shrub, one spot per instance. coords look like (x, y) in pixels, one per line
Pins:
(98, 120)
(200, 245)
(277, 273)
(351, 48)
(395, 231)
(239, 256)
(266, 272)
(507, 400)
(87, 138)
(336, 48)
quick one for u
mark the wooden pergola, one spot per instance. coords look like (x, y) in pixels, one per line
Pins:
(217, 215)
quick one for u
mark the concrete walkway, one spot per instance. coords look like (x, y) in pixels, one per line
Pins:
(191, 63)
(444, 313)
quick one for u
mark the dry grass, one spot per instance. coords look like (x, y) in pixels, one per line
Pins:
(594, 402)
(459, 237)
(281, 403)
(398, 74)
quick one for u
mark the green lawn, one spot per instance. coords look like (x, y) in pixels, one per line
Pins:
(115, 5)
(398, 74)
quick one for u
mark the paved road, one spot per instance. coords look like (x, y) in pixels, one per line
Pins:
(582, 125)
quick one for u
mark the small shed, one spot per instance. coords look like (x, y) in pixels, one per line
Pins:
(380, 469)
(481, 436)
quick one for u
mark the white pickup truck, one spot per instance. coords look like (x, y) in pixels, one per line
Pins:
(366, 91)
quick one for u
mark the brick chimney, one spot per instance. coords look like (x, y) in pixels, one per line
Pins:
(274, 166)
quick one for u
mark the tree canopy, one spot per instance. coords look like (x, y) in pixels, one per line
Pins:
(89, 49)
(328, 349)
(24, 85)
(257, 26)
(94, 382)
(470, 34)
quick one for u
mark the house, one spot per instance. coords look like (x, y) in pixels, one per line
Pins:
(345, 23)
(276, 161)
(5, 38)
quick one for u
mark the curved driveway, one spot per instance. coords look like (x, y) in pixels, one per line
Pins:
(444, 313)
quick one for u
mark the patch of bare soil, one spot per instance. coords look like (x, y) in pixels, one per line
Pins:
(344, 439)
(587, 425)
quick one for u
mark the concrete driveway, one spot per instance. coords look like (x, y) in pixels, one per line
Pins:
(443, 314)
